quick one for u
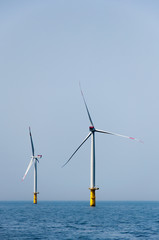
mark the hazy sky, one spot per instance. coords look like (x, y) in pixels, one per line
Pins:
(112, 48)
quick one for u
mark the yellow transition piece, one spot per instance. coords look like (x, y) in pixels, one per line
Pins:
(35, 198)
(93, 196)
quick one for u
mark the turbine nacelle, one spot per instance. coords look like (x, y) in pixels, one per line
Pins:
(92, 129)
(38, 156)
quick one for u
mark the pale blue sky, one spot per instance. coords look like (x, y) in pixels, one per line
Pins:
(112, 48)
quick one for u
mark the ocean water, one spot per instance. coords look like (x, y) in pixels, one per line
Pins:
(77, 220)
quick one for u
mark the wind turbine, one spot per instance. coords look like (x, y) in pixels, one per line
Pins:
(34, 159)
(91, 134)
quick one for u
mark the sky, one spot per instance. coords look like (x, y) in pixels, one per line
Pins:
(46, 49)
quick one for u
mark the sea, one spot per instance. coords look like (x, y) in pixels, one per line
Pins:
(77, 220)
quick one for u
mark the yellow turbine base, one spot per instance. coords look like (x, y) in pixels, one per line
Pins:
(93, 197)
(35, 198)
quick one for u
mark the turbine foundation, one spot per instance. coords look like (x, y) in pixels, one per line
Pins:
(35, 198)
(93, 197)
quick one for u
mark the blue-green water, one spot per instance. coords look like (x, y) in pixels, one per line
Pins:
(76, 220)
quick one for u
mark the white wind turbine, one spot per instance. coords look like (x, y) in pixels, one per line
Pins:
(93, 130)
(34, 159)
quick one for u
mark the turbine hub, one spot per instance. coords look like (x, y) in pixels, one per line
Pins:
(91, 128)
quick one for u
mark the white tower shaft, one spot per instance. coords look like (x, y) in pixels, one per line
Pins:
(35, 176)
(92, 174)
(35, 181)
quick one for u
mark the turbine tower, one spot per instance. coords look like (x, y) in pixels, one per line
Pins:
(91, 134)
(34, 159)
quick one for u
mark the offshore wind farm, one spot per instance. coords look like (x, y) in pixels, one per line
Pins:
(40, 72)
(46, 48)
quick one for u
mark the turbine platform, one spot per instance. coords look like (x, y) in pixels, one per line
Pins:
(93, 196)
(35, 197)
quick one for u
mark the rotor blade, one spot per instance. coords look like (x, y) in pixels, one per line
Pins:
(78, 148)
(29, 166)
(119, 135)
(86, 107)
(32, 146)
